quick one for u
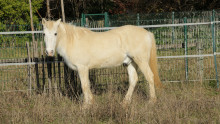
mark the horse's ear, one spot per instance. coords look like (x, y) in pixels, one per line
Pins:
(44, 21)
(58, 22)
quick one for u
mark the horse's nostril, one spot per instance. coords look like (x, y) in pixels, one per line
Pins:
(46, 52)
(49, 52)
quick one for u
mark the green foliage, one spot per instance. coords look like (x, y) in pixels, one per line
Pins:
(15, 16)
(18, 11)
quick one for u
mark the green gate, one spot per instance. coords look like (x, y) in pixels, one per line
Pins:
(97, 16)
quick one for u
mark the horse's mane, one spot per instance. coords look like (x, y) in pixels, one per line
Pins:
(72, 32)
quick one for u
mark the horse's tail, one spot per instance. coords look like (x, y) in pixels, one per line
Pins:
(153, 63)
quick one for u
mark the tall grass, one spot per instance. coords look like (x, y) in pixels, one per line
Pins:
(177, 103)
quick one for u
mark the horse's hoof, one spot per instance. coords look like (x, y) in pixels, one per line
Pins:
(152, 101)
(125, 103)
(85, 106)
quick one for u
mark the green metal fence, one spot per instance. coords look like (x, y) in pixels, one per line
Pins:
(185, 52)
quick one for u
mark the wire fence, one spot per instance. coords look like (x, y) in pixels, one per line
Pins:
(188, 49)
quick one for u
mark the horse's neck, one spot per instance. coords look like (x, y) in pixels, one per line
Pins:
(68, 36)
(61, 43)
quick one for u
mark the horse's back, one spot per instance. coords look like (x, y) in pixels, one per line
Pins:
(128, 38)
(134, 39)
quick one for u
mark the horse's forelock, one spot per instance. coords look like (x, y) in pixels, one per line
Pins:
(50, 24)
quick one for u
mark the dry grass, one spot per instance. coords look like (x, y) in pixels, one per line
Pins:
(177, 103)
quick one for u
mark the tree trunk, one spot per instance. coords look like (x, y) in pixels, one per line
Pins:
(63, 13)
(32, 25)
(76, 8)
(48, 9)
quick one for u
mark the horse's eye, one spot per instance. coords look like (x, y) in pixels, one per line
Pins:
(55, 34)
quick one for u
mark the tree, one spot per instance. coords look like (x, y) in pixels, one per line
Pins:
(48, 9)
(18, 11)
(63, 12)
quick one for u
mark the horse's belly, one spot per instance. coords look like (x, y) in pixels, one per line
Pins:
(113, 61)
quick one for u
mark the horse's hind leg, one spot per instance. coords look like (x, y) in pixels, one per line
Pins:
(146, 70)
(133, 78)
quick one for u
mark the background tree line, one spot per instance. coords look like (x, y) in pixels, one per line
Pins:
(73, 8)
(17, 11)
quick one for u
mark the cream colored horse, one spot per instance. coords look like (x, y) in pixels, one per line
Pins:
(83, 49)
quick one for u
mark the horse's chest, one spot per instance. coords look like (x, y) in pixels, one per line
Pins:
(69, 60)
(69, 63)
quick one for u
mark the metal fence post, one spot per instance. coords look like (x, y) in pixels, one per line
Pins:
(201, 62)
(138, 19)
(106, 20)
(214, 45)
(186, 49)
(173, 27)
(82, 19)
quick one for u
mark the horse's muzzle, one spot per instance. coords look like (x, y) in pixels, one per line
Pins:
(49, 53)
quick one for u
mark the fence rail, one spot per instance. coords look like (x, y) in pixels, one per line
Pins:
(109, 28)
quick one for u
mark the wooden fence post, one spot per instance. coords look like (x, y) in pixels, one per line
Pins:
(54, 77)
(66, 77)
(201, 65)
(43, 70)
(36, 65)
(29, 66)
(49, 70)
(59, 72)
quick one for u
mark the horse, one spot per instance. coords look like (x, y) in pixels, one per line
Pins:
(83, 49)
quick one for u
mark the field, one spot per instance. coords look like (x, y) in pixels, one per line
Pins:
(177, 103)
(181, 101)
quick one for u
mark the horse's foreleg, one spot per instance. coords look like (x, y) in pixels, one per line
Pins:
(84, 78)
(133, 78)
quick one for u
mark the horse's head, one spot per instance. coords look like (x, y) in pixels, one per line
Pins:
(50, 35)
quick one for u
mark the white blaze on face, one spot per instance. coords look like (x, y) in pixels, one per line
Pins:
(50, 41)
(50, 32)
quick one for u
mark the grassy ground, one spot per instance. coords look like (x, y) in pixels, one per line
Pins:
(177, 103)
